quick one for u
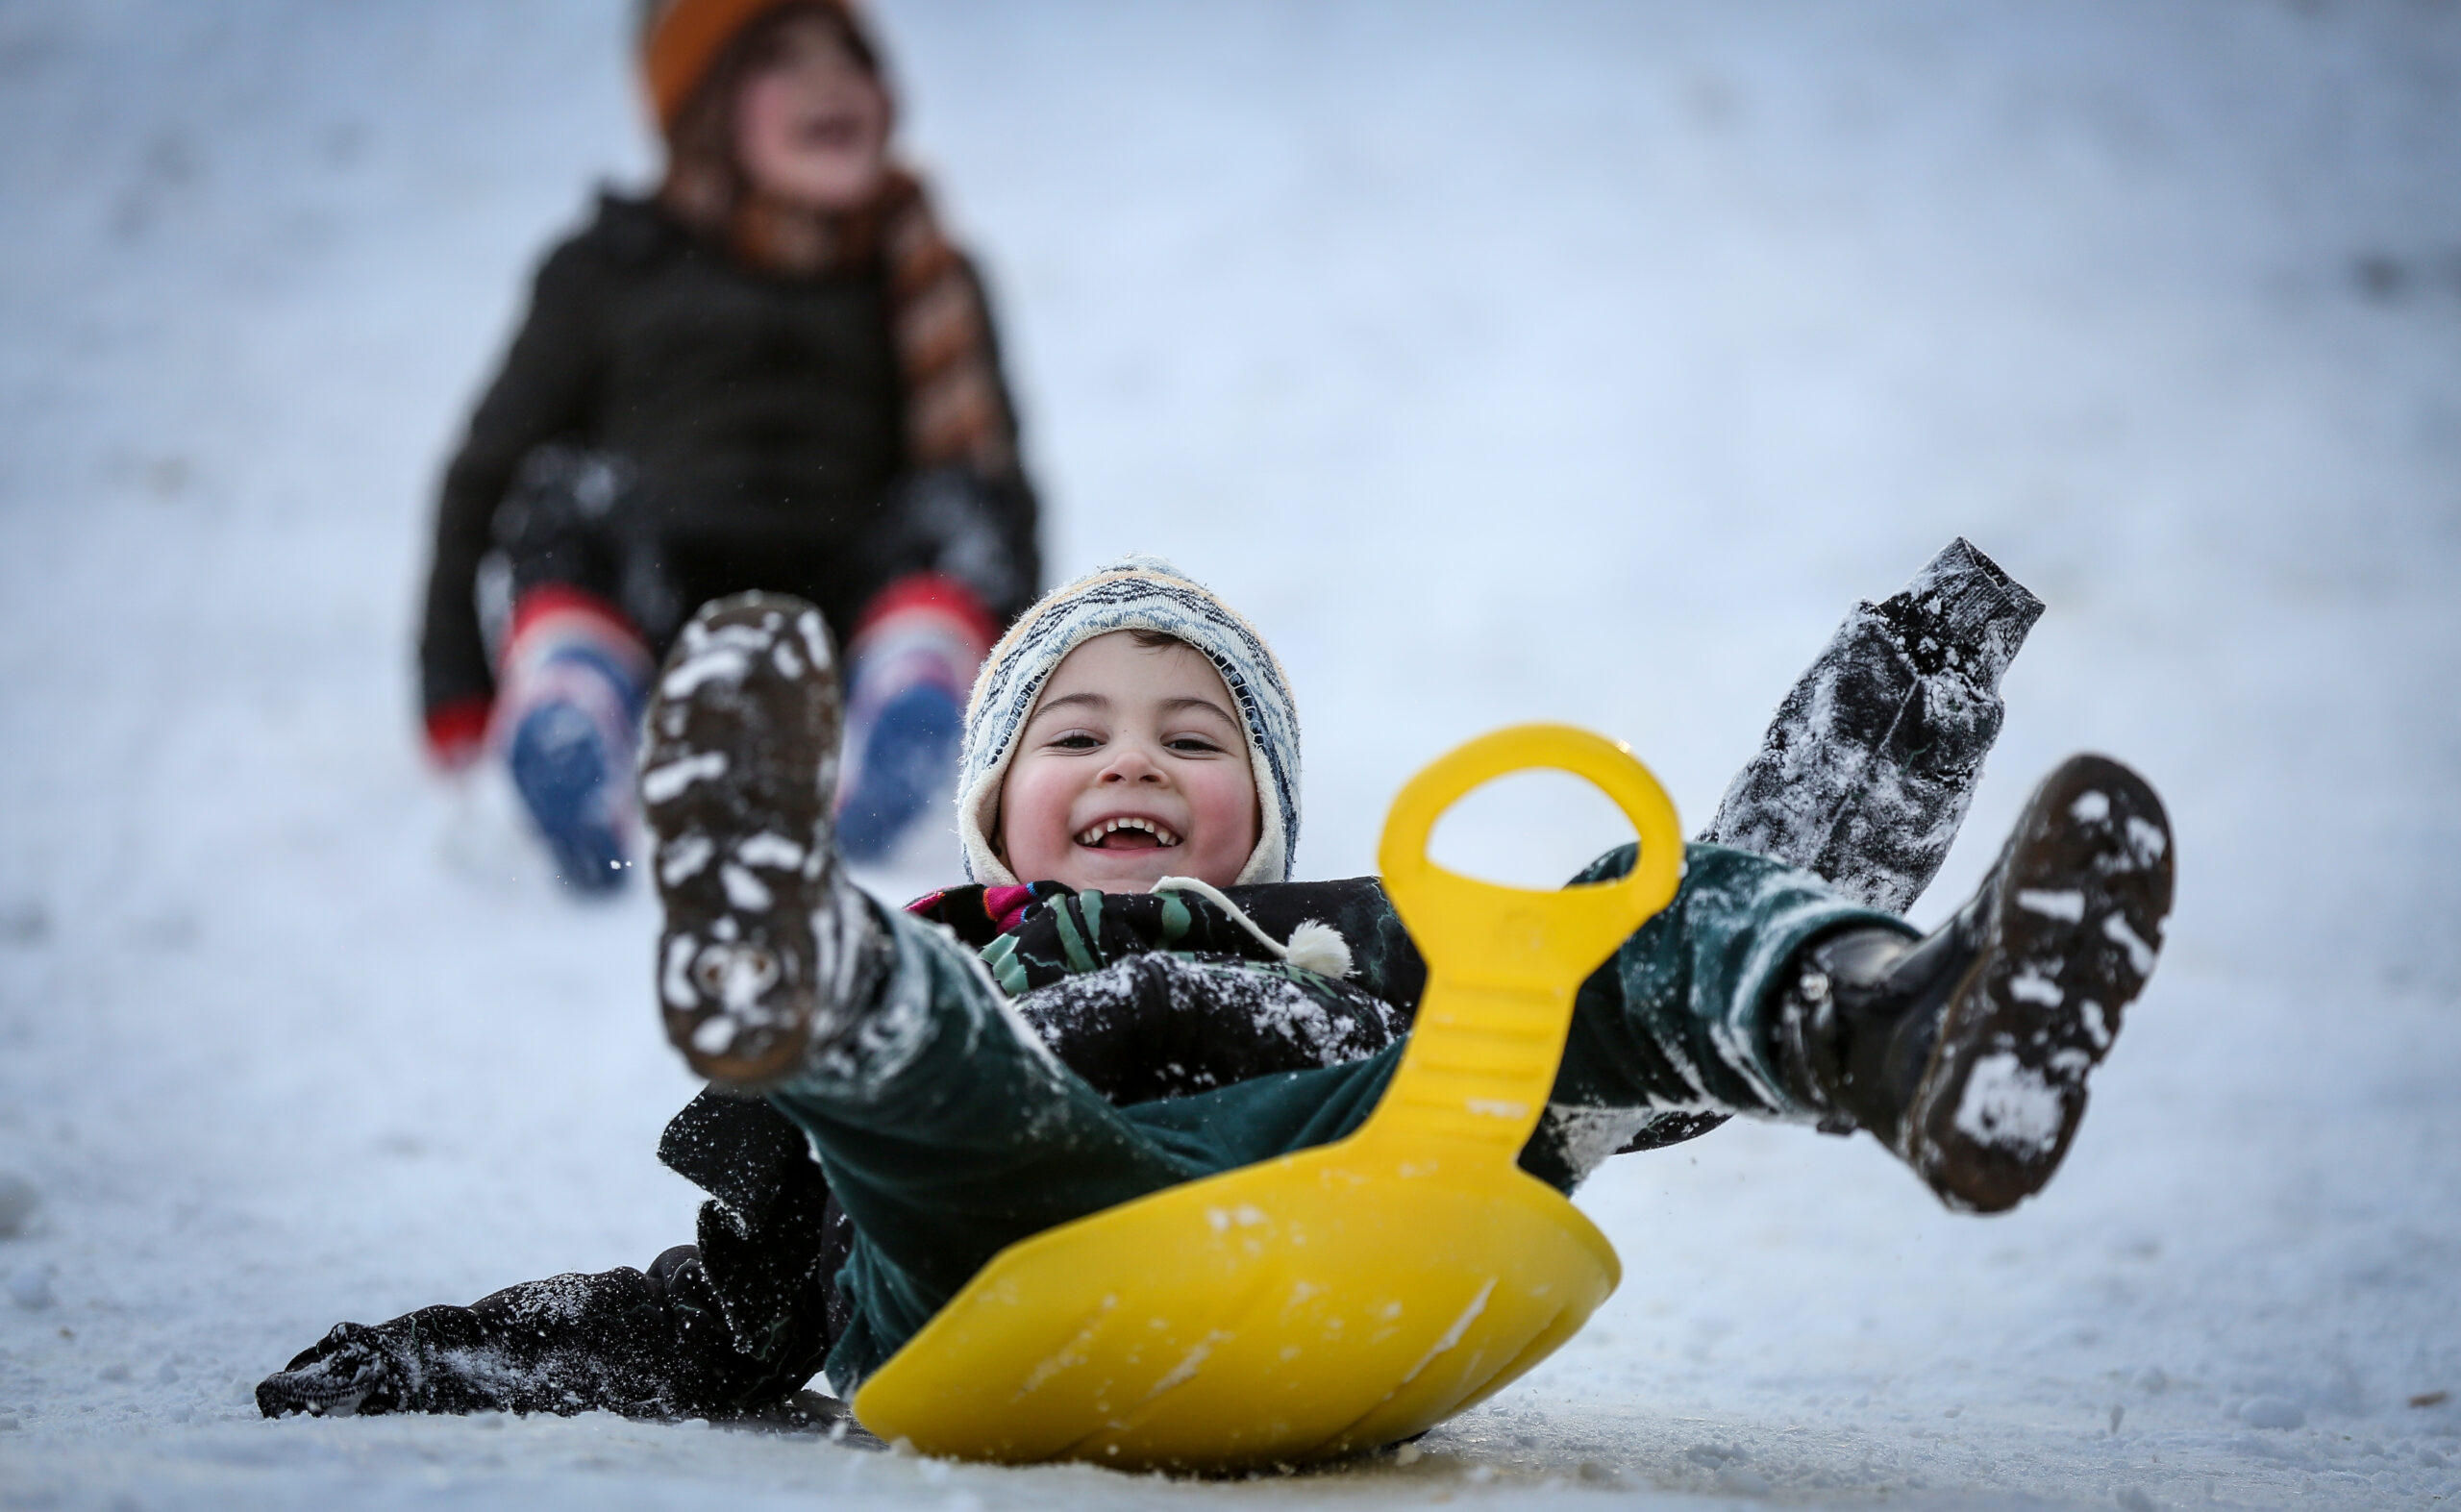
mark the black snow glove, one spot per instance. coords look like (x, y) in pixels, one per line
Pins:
(1866, 773)
(353, 1368)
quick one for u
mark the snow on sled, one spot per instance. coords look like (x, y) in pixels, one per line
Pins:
(1346, 1296)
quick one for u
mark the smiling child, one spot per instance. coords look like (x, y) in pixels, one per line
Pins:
(1130, 994)
(1134, 768)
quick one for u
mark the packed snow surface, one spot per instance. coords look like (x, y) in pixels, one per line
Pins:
(1566, 361)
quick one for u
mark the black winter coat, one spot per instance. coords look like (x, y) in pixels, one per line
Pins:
(763, 412)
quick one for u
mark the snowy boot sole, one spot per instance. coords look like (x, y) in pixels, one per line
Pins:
(737, 780)
(2071, 930)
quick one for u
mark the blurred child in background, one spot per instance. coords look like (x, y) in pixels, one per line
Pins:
(777, 372)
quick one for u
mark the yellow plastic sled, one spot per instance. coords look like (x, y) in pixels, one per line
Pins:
(1344, 1297)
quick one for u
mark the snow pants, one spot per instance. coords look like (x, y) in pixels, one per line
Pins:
(947, 1131)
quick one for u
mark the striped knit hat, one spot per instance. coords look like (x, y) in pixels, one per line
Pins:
(1131, 593)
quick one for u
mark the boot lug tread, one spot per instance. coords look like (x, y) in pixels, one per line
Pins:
(748, 678)
(1998, 1108)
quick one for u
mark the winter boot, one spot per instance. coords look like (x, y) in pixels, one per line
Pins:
(1967, 1052)
(767, 950)
(904, 761)
(913, 660)
(574, 678)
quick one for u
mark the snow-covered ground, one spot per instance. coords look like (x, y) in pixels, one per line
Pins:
(1577, 361)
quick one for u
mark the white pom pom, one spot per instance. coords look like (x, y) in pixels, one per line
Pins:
(1321, 949)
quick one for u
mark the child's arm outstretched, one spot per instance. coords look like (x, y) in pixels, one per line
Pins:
(540, 394)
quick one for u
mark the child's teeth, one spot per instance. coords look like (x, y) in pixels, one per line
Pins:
(1094, 834)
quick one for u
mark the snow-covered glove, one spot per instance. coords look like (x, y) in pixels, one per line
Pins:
(1867, 771)
(351, 1370)
(962, 523)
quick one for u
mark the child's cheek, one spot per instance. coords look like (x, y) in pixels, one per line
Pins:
(1027, 822)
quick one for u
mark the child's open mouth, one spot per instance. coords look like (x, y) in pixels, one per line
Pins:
(1127, 834)
(836, 131)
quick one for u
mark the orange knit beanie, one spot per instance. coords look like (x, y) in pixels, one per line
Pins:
(680, 39)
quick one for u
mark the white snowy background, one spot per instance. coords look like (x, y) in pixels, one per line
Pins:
(1575, 362)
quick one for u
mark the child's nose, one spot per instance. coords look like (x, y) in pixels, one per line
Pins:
(1131, 763)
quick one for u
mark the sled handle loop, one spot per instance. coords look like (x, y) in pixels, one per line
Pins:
(1503, 963)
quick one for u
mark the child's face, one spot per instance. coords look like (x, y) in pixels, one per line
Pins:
(812, 125)
(1134, 767)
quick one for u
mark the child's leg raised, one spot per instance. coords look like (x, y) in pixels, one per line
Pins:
(1761, 991)
(1681, 1018)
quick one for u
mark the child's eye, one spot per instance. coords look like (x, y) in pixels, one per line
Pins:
(1074, 740)
(1193, 745)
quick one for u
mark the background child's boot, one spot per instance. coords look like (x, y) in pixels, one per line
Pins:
(574, 678)
(912, 663)
(767, 948)
(1967, 1052)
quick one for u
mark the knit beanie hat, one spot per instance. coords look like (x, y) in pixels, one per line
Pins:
(681, 40)
(1132, 593)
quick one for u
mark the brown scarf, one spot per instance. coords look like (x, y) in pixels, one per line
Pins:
(956, 410)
